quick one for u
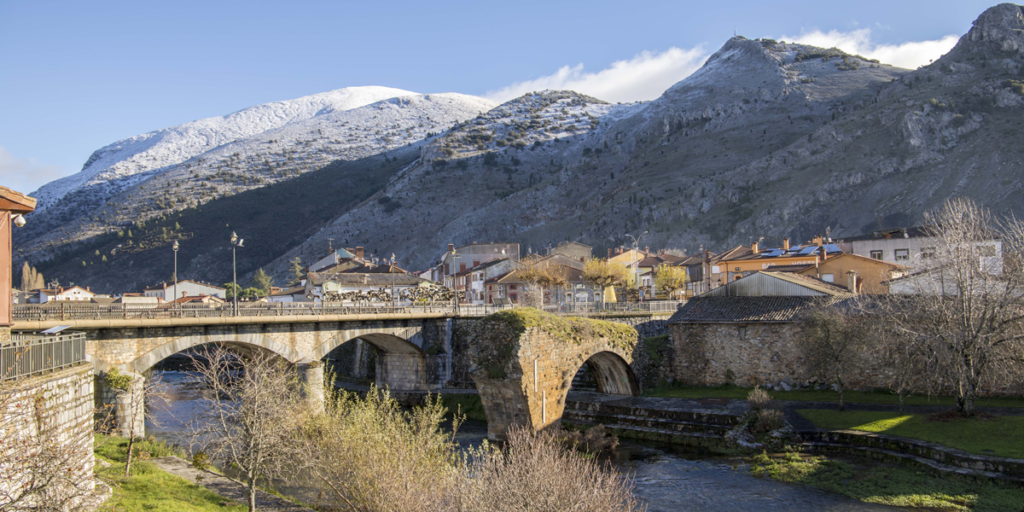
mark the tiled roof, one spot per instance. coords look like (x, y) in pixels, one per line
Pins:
(289, 291)
(789, 268)
(650, 261)
(482, 266)
(712, 310)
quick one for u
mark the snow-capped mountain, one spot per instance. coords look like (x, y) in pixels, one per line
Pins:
(169, 146)
(189, 164)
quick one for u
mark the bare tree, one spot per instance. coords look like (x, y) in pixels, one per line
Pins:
(832, 342)
(133, 394)
(253, 403)
(965, 312)
(43, 452)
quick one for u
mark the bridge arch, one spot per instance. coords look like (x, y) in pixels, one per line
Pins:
(240, 341)
(395, 340)
(524, 362)
(402, 364)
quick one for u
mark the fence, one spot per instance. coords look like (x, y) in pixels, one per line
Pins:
(31, 354)
(61, 311)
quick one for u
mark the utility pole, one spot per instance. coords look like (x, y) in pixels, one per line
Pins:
(175, 248)
(235, 243)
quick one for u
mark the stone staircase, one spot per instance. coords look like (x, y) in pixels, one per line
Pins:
(695, 427)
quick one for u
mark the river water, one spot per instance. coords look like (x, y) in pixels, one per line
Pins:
(669, 478)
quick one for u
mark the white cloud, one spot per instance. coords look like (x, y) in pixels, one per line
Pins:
(644, 77)
(25, 175)
(906, 55)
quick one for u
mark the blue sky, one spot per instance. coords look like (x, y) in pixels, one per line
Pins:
(76, 76)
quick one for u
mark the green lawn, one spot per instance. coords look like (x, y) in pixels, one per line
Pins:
(808, 395)
(1002, 436)
(149, 488)
(889, 484)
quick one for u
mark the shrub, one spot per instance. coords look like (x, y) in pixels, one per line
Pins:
(768, 420)
(759, 399)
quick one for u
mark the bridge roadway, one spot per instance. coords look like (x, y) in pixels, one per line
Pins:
(415, 342)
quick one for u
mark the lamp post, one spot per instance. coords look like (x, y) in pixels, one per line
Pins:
(175, 248)
(235, 242)
(391, 270)
(636, 249)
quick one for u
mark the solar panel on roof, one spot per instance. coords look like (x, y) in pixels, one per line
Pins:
(832, 248)
(808, 250)
(775, 253)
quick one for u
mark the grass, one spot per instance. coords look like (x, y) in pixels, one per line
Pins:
(1002, 436)
(810, 395)
(150, 488)
(889, 484)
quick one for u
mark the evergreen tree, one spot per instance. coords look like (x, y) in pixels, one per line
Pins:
(296, 272)
(262, 282)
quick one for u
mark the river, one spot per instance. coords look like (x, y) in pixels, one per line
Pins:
(669, 478)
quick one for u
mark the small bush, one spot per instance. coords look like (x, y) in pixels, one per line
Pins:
(759, 399)
(768, 420)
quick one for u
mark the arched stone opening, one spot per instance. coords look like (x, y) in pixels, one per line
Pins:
(388, 359)
(243, 344)
(611, 374)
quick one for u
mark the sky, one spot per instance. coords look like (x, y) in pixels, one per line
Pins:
(77, 76)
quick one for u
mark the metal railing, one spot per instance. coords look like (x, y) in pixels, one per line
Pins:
(610, 308)
(63, 311)
(31, 354)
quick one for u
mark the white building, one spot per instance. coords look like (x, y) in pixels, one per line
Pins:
(75, 293)
(914, 247)
(186, 288)
(460, 259)
(293, 294)
(317, 284)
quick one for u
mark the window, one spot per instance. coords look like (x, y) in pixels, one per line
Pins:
(512, 287)
(876, 255)
(716, 270)
(828, 278)
(738, 269)
(462, 267)
(902, 254)
(927, 253)
(513, 298)
(986, 251)
(568, 297)
(742, 331)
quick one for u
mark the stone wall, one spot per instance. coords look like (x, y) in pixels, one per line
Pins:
(48, 419)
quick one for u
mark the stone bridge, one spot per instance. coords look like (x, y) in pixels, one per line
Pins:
(527, 386)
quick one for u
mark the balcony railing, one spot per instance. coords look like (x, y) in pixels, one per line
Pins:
(32, 354)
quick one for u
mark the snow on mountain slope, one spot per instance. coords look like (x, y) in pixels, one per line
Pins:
(160, 148)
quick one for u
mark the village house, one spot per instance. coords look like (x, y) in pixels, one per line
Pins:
(186, 288)
(344, 257)
(463, 258)
(574, 250)
(293, 294)
(744, 332)
(874, 274)
(74, 294)
(379, 285)
(199, 300)
(512, 286)
(757, 259)
(471, 281)
(915, 247)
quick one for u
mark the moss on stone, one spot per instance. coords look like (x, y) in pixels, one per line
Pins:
(498, 334)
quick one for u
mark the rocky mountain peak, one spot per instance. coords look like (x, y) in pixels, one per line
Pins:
(999, 29)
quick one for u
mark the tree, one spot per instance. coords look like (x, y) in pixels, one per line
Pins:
(670, 279)
(965, 312)
(605, 274)
(252, 406)
(832, 342)
(230, 289)
(262, 282)
(134, 394)
(296, 272)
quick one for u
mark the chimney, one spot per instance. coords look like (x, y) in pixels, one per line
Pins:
(851, 281)
(86, 288)
(753, 248)
(451, 247)
(609, 253)
(817, 241)
(359, 252)
(661, 252)
(785, 244)
(647, 249)
(824, 254)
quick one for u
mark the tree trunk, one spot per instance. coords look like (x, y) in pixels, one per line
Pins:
(131, 446)
(966, 404)
(252, 495)
(842, 403)
(901, 401)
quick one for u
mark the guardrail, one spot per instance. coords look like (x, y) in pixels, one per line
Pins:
(61, 311)
(32, 354)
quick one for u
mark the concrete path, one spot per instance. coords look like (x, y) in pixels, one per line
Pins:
(225, 487)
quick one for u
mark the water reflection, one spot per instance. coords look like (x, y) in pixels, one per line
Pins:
(667, 477)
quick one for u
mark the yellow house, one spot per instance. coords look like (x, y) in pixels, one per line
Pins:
(872, 274)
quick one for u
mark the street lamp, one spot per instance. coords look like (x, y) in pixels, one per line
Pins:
(175, 247)
(636, 249)
(235, 242)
